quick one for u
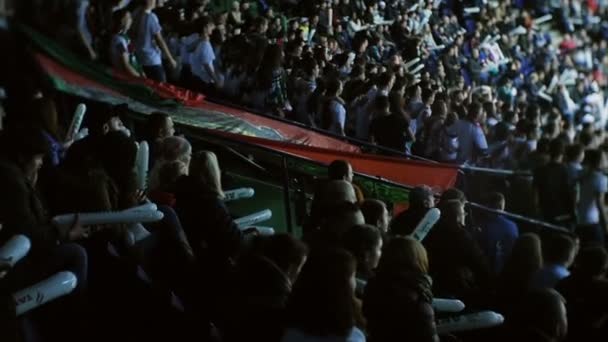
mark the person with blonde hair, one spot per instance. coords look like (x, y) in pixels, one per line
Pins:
(214, 236)
(397, 300)
(173, 148)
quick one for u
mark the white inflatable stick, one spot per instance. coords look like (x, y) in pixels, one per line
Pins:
(76, 121)
(82, 134)
(471, 10)
(264, 231)
(142, 164)
(101, 218)
(542, 19)
(240, 193)
(144, 207)
(250, 220)
(447, 305)
(478, 320)
(519, 30)
(135, 233)
(428, 221)
(15, 249)
(417, 69)
(56, 286)
(411, 63)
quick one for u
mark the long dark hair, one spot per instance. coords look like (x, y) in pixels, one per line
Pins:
(322, 300)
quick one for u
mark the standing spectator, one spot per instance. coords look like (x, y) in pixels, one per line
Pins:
(333, 115)
(397, 301)
(149, 43)
(559, 252)
(322, 305)
(471, 138)
(498, 233)
(388, 129)
(202, 60)
(121, 54)
(552, 195)
(593, 185)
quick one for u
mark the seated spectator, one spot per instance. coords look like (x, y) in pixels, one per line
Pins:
(171, 149)
(336, 220)
(158, 127)
(365, 243)
(540, 315)
(397, 300)
(498, 234)
(559, 252)
(214, 236)
(525, 261)
(376, 214)
(168, 175)
(586, 294)
(421, 200)
(342, 170)
(322, 305)
(261, 287)
(457, 264)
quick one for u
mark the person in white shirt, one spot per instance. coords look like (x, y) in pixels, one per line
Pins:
(203, 58)
(149, 43)
(334, 110)
(120, 50)
(591, 210)
(471, 138)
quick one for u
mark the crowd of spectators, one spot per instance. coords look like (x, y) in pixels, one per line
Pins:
(492, 86)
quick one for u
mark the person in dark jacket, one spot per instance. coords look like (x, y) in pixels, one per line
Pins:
(260, 288)
(586, 294)
(421, 200)
(397, 301)
(457, 263)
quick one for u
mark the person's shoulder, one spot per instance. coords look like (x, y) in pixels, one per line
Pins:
(356, 335)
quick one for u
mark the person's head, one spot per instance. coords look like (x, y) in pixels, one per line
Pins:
(495, 200)
(428, 96)
(334, 87)
(122, 20)
(575, 153)
(45, 115)
(160, 126)
(26, 147)
(104, 119)
(287, 252)
(205, 25)
(385, 81)
(169, 173)
(322, 300)
(206, 169)
(150, 4)
(421, 198)
(525, 260)
(340, 170)
(117, 154)
(475, 112)
(543, 310)
(591, 262)
(382, 105)
(557, 148)
(439, 109)
(452, 212)
(376, 214)
(176, 148)
(559, 249)
(261, 24)
(403, 253)
(594, 159)
(365, 243)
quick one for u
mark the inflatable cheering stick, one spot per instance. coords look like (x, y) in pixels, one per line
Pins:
(250, 220)
(426, 224)
(236, 194)
(81, 109)
(447, 305)
(474, 321)
(58, 285)
(15, 249)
